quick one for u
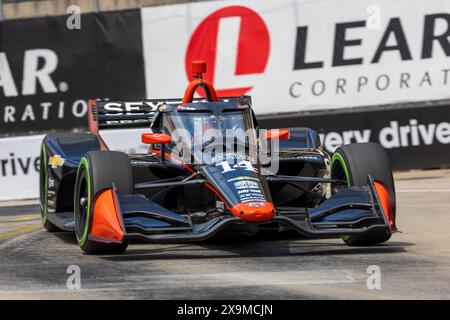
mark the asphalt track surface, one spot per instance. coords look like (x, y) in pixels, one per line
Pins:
(414, 264)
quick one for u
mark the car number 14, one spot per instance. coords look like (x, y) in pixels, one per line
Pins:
(247, 165)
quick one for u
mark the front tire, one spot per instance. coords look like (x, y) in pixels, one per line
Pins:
(353, 163)
(97, 171)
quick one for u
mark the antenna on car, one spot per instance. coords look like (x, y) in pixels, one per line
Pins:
(198, 68)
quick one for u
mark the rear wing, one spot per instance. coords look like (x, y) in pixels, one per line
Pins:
(133, 114)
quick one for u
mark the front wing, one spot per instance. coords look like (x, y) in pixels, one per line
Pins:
(350, 211)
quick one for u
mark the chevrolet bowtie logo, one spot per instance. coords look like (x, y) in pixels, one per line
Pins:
(56, 161)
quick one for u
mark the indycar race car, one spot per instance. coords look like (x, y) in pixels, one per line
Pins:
(207, 167)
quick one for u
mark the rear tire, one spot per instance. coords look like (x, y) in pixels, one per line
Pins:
(353, 163)
(97, 171)
(43, 191)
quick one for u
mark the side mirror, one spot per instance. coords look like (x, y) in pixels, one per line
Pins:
(155, 138)
(280, 134)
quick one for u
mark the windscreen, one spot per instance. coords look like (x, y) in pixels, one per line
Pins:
(211, 132)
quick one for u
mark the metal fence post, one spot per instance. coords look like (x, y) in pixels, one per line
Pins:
(1, 10)
(96, 5)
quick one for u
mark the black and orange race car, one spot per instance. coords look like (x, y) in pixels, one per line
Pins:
(174, 193)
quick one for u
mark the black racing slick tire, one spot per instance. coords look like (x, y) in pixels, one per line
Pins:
(353, 163)
(97, 171)
(43, 191)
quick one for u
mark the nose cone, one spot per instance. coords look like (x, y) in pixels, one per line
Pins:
(254, 211)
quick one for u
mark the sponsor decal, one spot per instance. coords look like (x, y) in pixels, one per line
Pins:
(251, 198)
(226, 167)
(256, 204)
(242, 178)
(314, 158)
(248, 190)
(246, 184)
(56, 161)
(186, 108)
(130, 107)
(145, 109)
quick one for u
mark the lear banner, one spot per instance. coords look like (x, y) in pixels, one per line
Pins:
(297, 55)
(50, 67)
(414, 137)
